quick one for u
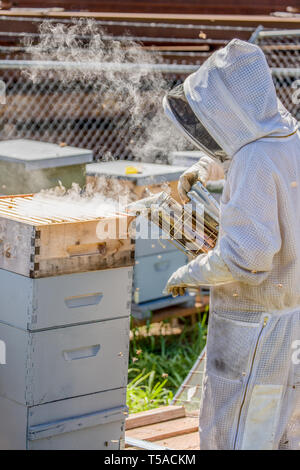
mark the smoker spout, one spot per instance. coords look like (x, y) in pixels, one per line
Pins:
(143, 205)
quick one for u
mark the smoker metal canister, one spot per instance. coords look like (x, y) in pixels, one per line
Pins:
(181, 223)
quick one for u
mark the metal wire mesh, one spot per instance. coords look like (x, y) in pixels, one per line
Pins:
(282, 50)
(87, 114)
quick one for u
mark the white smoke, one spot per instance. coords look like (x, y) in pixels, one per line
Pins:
(72, 203)
(136, 94)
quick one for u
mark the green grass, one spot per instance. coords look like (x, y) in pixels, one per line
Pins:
(159, 364)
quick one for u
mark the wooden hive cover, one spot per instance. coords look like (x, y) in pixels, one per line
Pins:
(37, 246)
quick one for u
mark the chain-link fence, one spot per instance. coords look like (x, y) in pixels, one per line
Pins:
(86, 114)
(282, 50)
(89, 113)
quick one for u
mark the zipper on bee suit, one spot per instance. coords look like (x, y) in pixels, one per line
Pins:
(248, 381)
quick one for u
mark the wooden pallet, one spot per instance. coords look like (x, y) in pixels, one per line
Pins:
(168, 426)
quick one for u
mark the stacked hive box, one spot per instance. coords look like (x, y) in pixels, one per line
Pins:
(66, 331)
(156, 260)
(27, 166)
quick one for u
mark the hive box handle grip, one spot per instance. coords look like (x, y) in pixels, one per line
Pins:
(87, 249)
(81, 353)
(83, 300)
(76, 423)
(162, 266)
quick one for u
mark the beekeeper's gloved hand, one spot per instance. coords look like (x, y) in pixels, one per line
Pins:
(176, 285)
(206, 270)
(204, 170)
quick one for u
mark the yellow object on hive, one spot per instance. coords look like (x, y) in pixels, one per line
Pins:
(131, 170)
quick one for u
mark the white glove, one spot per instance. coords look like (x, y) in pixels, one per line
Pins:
(179, 281)
(206, 270)
(204, 170)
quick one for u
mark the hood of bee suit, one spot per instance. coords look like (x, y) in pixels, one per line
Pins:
(233, 98)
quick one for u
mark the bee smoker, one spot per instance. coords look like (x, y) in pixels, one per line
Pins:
(192, 227)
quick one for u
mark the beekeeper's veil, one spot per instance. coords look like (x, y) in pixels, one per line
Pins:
(228, 102)
(178, 109)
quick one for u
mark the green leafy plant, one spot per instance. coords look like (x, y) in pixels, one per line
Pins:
(144, 394)
(159, 364)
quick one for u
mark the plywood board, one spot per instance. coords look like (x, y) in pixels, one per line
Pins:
(157, 415)
(165, 430)
(183, 442)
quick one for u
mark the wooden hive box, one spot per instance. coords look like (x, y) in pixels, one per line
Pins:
(40, 246)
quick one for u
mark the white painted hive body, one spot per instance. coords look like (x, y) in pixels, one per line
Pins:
(65, 330)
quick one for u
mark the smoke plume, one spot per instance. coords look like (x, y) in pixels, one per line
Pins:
(120, 77)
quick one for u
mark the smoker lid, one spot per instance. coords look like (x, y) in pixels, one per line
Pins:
(149, 173)
(40, 155)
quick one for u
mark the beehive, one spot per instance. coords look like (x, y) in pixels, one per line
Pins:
(28, 166)
(42, 246)
(66, 331)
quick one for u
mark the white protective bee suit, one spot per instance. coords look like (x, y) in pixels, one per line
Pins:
(251, 388)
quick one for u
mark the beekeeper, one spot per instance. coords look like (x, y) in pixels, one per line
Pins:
(251, 388)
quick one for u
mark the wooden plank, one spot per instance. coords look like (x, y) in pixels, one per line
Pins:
(84, 262)
(165, 430)
(117, 28)
(16, 246)
(164, 6)
(222, 19)
(157, 415)
(183, 442)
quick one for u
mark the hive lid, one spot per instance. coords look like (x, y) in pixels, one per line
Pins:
(40, 155)
(185, 158)
(149, 173)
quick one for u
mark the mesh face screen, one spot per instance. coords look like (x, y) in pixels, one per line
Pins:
(191, 124)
